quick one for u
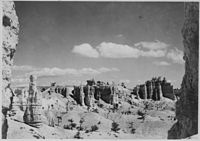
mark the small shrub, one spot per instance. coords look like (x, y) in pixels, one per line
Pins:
(133, 131)
(73, 125)
(115, 127)
(173, 109)
(80, 128)
(96, 110)
(128, 112)
(81, 120)
(87, 131)
(148, 105)
(94, 128)
(67, 127)
(140, 113)
(100, 105)
(71, 120)
(78, 136)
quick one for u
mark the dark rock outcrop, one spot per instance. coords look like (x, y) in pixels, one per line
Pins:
(187, 105)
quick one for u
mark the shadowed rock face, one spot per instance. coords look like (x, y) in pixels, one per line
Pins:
(187, 106)
(10, 29)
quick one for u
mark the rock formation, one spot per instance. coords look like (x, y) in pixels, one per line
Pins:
(15, 103)
(88, 96)
(24, 99)
(160, 91)
(10, 30)
(167, 90)
(63, 90)
(154, 89)
(149, 89)
(145, 91)
(187, 105)
(137, 92)
(115, 100)
(32, 114)
(112, 90)
(82, 96)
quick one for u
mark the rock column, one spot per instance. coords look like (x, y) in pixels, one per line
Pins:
(32, 115)
(87, 97)
(137, 92)
(67, 92)
(82, 96)
(24, 98)
(115, 100)
(150, 91)
(111, 94)
(15, 104)
(92, 91)
(145, 91)
(155, 93)
(160, 91)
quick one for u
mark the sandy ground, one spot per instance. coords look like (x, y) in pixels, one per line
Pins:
(155, 125)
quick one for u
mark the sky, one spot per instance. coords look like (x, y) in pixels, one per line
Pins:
(71, 42)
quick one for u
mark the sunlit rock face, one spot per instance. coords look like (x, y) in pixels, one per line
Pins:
(32, 114)
(187, 106)
(10, 30)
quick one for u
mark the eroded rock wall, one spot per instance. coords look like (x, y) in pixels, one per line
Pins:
(9, 42)
(187, 106)
(10, 29)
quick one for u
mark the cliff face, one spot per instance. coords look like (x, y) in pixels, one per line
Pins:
(10, 40)
(187, 106)
(10, 29)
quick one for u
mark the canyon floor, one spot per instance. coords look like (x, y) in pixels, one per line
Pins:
(134, 119)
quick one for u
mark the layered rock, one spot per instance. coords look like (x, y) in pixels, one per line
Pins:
(112, 93)
(32, 115)
(10, 30)
(62, 90)
(104, 92)
(149, 89)
(89, 96)
(82, 96)
(154, 89)
(145, 91)
(168, 90)
(137, 91)
(187, 105)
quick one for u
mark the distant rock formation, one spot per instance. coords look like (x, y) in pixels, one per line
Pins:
(10, 30)
(88, 95)
(187, 105)
(62, 90)
(154, 89)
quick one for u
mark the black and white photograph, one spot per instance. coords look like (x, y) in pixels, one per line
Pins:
(99, 69)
